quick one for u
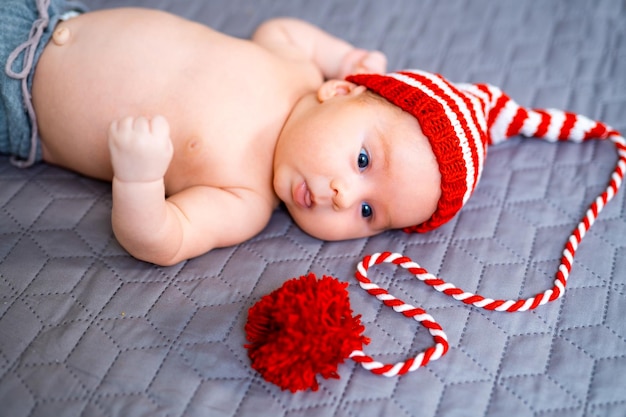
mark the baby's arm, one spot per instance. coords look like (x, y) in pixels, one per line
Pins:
(187, 224)
(334, 57)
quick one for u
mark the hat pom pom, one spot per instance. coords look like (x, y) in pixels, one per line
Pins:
(302, 329)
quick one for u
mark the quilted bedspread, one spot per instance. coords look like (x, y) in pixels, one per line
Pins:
(86, 330)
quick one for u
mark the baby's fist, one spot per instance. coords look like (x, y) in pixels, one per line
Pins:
(360, 61)
(141, 149)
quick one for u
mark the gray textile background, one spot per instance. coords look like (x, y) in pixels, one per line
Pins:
(85, 330)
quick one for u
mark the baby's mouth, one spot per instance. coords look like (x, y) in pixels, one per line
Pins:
(302, 196)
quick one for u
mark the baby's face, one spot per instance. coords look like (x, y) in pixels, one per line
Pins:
(348, 166)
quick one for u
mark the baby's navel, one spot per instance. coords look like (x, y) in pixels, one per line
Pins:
(194, 144)
(61, 35)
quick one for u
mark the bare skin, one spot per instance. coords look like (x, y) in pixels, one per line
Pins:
(183, 121)
(121, 66)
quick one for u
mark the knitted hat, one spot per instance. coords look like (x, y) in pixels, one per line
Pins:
(306, 327)
(460, 120)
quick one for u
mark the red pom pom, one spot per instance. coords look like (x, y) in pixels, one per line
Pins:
(302, 329)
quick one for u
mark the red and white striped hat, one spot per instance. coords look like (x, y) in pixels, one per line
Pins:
(460, 120)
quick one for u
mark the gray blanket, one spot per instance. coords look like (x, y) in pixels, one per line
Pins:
(86, 330)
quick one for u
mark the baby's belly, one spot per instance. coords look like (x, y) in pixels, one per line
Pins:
(114, 64)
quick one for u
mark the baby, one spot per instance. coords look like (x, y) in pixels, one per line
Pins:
(203, 135)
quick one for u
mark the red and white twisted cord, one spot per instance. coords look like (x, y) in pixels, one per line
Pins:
(432, 353)
(477, 300)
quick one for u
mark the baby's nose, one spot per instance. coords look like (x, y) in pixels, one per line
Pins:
(344, 194)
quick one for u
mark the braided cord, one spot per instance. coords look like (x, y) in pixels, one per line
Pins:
(430, 354)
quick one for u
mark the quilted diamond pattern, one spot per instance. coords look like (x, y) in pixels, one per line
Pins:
(85, 330)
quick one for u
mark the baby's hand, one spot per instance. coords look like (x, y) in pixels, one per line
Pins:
(360, 61)
(141, 149)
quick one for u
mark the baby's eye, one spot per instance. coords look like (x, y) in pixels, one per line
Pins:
(366, 210)
(363, 160)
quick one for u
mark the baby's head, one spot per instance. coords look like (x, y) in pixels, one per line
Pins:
(350, 164)
(398, 151)
(379, 152)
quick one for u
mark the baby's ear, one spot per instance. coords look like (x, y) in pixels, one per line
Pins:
(334, 88)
